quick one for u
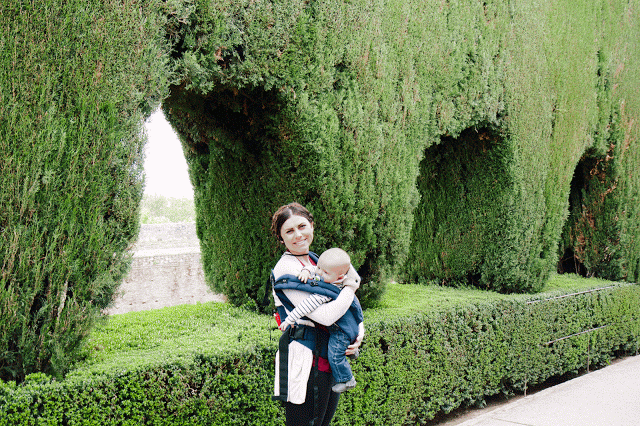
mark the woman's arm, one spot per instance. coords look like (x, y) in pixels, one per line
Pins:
(331, 312)
(307, 306)
(327, 313)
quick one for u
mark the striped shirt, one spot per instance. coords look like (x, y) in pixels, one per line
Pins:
(307, 306)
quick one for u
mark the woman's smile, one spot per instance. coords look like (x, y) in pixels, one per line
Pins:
(297, 234)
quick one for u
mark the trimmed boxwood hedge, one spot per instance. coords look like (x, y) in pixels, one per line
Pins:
(420, 359)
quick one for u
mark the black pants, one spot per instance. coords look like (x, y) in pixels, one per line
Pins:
(302, 414)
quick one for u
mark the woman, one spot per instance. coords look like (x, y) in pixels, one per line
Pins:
(309, 393)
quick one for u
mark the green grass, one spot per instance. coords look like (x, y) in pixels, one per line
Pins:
(559, 282)
(403, 299)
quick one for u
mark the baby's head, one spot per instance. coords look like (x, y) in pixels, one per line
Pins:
(333, 265)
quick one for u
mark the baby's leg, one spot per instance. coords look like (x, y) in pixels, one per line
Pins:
(340, 368)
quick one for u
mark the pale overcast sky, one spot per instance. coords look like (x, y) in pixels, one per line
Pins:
(164, 164)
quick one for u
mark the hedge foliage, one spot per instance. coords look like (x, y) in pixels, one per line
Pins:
(446, 141)
(490, 107)
(77, 79)
(443, 349)
(602, 229)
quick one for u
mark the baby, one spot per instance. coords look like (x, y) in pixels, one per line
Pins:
(332, 268)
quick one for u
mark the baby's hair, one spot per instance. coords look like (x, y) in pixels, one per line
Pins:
(338, 259)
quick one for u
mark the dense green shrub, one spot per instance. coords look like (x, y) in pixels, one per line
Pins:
(77, 79)
(463, 185)
(271, 111)
(428, 350)
(205, 364)
(330, 103)
(455, 353)
(600, 236)
(334, 104)
(494, 200)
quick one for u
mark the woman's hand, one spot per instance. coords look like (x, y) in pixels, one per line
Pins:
(354, 347)
(352, 279)
(284, 325)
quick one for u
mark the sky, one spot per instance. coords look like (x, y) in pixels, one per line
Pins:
(164, 165)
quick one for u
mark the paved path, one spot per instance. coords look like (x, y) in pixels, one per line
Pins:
(166, 271)
(606, 397)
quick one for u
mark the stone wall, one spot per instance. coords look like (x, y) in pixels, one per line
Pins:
(166, 270)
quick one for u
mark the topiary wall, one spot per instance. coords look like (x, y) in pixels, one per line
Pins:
(495, 196)
(600, 236)
(465, 142)
(286, 101)
(437, 139)
(77, 79)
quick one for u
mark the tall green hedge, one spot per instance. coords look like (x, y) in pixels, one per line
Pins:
(602, 229)
(436, 139)
(273, 108)
(77, 79)
(444, 140)
(495, 196)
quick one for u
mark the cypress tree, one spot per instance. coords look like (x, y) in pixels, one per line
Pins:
(77, 79)
(600, 236)
(273, 109)
(497, 223)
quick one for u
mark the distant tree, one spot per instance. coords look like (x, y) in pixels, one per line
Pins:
(160, 209)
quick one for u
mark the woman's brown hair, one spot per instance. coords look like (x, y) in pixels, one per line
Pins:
(284, 213)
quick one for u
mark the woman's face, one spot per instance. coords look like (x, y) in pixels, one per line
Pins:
(297, 234)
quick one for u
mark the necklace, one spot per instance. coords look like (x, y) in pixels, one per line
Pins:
(297, 256)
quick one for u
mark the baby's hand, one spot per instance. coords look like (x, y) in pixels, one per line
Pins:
(352, 279)
(304, 275)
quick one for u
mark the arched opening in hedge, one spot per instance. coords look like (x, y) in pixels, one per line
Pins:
(234, 122)
(590, 239)
(241, 157)
(166, 170)
(571, 261)
(463, 185)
